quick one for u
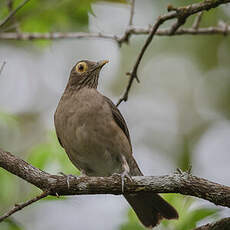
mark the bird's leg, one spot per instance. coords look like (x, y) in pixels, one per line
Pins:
(69, 176)
(125, 172)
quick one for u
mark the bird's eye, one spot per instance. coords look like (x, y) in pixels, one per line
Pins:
(81, 67)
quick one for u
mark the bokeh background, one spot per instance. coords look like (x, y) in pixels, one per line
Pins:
(178, 115)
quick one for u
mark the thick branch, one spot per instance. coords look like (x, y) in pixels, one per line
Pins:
(222, 224)
(177, 183)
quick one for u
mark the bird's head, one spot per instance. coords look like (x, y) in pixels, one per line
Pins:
(86, 73)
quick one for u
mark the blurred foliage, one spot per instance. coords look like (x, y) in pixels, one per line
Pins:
(189, 215)
(8, 119)
(51, 157)
(11, 224)
(50, 16)
(48, 155)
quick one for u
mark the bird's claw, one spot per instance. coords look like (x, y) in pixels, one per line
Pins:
(67, 178)
(124, 175)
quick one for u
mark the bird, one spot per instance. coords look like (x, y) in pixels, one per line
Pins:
(96, 138)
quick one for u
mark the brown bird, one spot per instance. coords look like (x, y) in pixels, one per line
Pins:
(95, 136)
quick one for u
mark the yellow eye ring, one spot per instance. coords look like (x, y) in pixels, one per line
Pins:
(81, 67)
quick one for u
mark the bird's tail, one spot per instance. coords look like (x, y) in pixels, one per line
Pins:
(151, 208)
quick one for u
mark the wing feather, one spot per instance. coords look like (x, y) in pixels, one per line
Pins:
(119, 119)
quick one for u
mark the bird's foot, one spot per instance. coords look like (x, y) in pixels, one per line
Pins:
(68, 178)
(125, 175)
(125, 172)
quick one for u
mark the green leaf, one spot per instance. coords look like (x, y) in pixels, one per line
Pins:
(132, 222)
(9, 119)
(189, 216)
(10, 224)
(50, 156)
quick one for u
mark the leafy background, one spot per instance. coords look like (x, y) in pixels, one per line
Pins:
(177, 116)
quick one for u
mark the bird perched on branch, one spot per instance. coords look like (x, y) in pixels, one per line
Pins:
(95, 136)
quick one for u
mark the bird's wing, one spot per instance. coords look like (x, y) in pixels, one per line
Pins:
(118, 118)
(55, 114)
(60, 141)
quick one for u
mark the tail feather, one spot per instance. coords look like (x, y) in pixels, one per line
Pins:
(151, 208)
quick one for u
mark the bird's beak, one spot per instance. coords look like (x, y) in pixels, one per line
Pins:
(100, 64)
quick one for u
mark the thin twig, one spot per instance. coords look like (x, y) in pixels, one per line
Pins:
(224, 26)
(212, 30)
(125, 38)
(2, 67)
(10, 5)
(12, 13)
(18, 207)
(197, 20)
(133, 74)
(131, 13)
(53, 36)
(176, 25)
(181, 14)
(181, 19)
(13, 26)
(183, 183)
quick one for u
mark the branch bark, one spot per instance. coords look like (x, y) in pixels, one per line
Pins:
(223, 224)
(183, 183)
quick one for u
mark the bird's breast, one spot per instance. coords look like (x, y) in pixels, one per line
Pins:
(88, 134)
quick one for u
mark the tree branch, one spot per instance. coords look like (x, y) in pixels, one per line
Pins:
(18, 207)
(212, 30)
(222, 224)
(12, 13)
(131, 12)
(53, 36)
(10, 5)
(197, 20)
(127, 34)
(183, 183)
(181, 14)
